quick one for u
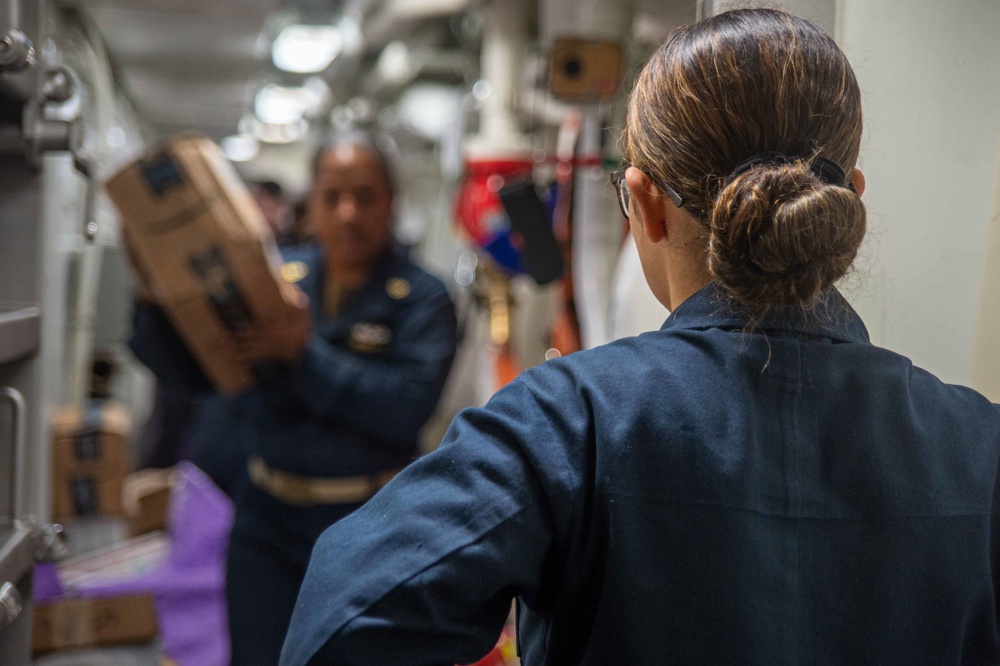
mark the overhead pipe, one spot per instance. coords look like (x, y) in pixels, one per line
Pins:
(504, 42)
(499, 152)
(596, 234)
(10, 15)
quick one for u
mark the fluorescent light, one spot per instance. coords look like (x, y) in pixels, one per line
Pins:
(277, 133)
(279, 105)
(240, 147)
(306, 48)
(414, 9)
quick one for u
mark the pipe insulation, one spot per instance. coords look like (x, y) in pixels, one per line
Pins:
(504, 42)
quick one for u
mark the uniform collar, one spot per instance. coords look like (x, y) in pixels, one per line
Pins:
(710, 307)
(368, 302)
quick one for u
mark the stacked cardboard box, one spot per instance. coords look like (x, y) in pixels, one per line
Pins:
(89, 460)
(198, 236)
(77, 617)
(76, 623)
(146, 497)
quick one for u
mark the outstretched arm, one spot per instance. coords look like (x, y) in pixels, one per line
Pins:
(425, 572)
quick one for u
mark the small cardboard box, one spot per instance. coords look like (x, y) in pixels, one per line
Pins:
(76, 623)
(146, 498)
(89, 460)
(204, 245)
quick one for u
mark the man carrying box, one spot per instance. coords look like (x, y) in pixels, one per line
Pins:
(344, 380)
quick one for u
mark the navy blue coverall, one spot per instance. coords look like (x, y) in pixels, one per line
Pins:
(353, 406)
(696, 495)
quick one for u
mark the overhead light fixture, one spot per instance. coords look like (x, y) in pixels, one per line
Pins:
(306, 49)
(414, 9)
(279, 105)
(274, 132)
(240, 147)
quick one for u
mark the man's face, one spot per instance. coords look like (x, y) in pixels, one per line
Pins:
(351, 207)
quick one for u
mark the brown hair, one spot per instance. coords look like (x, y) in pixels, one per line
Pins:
(731, 87)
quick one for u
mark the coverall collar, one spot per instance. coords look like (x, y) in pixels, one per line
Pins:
(711, 307)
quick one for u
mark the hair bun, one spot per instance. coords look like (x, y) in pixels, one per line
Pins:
(778, 235)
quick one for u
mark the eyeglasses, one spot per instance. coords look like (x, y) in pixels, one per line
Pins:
(624, 196)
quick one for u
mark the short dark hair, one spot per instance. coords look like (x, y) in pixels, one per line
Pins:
(373, 144)
(270, 188)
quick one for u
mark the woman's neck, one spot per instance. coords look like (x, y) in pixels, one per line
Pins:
(686, 268)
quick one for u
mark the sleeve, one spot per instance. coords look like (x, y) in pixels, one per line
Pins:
(158, 346)
(425, 572)
(386, 398)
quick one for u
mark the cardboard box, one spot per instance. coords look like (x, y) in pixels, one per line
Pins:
(201, 240)
(89, 460)
(76, 623)
(146, 497)
(127, 560)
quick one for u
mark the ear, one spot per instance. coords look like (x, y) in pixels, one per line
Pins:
(647, 201)
(858, 179)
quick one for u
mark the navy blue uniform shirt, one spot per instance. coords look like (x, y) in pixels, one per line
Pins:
(354, 404)
(695, 495)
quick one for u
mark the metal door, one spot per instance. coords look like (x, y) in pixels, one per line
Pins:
(29, 83)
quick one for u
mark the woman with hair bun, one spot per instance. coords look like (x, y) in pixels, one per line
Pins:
(753, 483)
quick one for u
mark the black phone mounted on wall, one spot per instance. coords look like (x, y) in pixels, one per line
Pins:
(540, 253)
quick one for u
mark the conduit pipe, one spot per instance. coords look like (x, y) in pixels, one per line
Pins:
(596, 222)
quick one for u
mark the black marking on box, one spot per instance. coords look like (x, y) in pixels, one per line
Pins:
(161, 173)
(84, 492)
(213, 270)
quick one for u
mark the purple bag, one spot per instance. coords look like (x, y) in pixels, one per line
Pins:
(189, 586)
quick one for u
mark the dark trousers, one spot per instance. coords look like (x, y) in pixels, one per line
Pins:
(269, 550)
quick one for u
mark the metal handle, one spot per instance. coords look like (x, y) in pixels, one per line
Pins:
(10, 604)
(19, 449)
(51, 543)
(84, 166)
